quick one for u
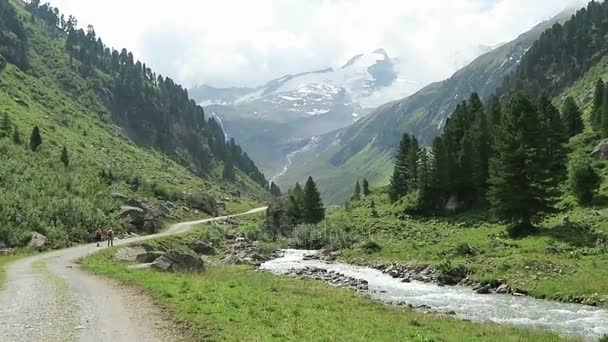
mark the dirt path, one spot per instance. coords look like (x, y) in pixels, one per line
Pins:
(49, 298)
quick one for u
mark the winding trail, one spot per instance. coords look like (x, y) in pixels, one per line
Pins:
(49, 298)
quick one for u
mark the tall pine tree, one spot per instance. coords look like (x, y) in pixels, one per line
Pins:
(598, 99)
(366, 191)
(35, 139)
(573, 119)
(357, 193)
(520, 184)
(313, 209)
(399, 180)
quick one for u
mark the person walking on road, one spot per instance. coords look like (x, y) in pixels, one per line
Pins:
(110, 237)
(98, 236)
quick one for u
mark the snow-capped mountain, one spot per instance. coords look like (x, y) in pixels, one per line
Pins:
(367, 80)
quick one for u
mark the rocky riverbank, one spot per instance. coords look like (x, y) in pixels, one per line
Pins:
(459, 276)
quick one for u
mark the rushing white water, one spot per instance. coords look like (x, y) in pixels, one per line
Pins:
(569, 319)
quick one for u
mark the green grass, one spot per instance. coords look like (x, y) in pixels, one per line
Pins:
(237, 303)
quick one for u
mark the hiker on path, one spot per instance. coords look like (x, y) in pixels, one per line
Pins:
(98, 236)
(110, 237)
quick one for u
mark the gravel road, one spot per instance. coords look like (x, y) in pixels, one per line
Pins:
(49, 298)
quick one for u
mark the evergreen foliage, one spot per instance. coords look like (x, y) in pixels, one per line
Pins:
(572, 116)
(16, 136)
(35, 139)
(313, 209)
(357, 193)
(275, 190)
(5, 126)
(65, 158)
(522, 186)
(583, 180)
(366, 191)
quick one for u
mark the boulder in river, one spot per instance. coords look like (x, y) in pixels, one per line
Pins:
(177, 261)
(484, 289)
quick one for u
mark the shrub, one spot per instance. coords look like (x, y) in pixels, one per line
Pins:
(583, 180)
(371, 246)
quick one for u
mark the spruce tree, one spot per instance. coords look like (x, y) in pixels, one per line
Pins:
(357, 193)
(604, 114)
(598, 98)
(481, 148)
(494, 111)
(16, 136)
(557, 138)
(412, 164)
(298, 194)
(366, 191)
(519, 182)
(35, 139)
(372, 205)
(5, 126)
(228, 173)
(65, 158)
(399, 179)
(572, 117)
(275, 190)
(313, 209)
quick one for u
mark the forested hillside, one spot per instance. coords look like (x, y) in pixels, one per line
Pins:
(85, 127)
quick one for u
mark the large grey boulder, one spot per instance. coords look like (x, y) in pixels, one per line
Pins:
(129, 253)
(601, 150)
(176, 261)
(135, 214)
(203, 202)
(202, 247)
(37, 241)
(148, 257)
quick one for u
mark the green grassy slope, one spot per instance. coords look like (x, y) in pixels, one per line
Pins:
(39, 193)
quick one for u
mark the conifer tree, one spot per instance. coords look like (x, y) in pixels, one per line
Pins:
(65, 158)
(399, 179)
(604, 114)
(313, 209)
(5, 126)
(275, 190)
(298, 194)
(572, 117)
(366, 191)
(228, 173)
(357, 193)
(412, 164)
(598, 98)
(556, 138)
(494, 111)
(16, 136)
(520, 184)
(35, 139)
(481, 147)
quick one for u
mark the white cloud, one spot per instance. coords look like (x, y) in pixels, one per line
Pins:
(245, 42)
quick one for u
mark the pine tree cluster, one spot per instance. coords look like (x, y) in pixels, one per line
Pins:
(511, 159)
